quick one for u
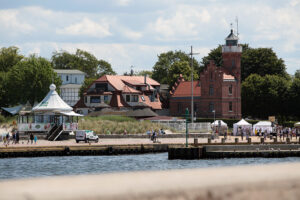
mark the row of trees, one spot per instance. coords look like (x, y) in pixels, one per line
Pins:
(267, 89)
(28, 78)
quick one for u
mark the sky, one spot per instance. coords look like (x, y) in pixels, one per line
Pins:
(134, 32)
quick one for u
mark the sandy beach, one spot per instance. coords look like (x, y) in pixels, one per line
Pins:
(277, 181)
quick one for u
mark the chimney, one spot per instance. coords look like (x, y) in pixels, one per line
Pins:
(145, 78)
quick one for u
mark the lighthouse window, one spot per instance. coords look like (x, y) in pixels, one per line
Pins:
(233, 63)
(230, 106)
(230, 90)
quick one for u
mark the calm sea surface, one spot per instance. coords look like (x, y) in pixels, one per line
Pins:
(12, 168)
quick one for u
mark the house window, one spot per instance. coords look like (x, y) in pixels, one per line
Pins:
(75, 79)
(230, 106)
(127, 98)
(143, 98)
(211, 90)
(135, 98)
(195, 107)
(179, 108)
(85, 99)
(95, 99)
(101, 87)
(211, 106)
(230, 90)
(67, 78)
(105, 99)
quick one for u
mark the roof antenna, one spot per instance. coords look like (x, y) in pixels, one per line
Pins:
(237, 25)
(131, 71)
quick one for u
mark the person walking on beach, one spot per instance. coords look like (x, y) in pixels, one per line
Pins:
(35, 139)
(17, 137)
(31, 138)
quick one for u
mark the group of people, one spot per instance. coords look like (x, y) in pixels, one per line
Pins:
(154, 133)
(14, 138)
(7, 138)
(279, 131)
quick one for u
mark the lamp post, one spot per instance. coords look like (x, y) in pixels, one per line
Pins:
(214, 111)
(186, 126)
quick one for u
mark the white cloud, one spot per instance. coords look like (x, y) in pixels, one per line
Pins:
(183, 21)
(87, 27)
(12, 23)
(123, 2)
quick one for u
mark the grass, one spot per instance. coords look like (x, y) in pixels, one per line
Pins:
(117, 124)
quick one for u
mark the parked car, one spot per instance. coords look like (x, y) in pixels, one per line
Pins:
(86, 136)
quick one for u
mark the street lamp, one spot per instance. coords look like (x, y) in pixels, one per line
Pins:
(214, 120)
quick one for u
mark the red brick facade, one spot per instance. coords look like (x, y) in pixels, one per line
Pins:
(218, 89)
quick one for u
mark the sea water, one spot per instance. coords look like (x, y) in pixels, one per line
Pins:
(14, 168)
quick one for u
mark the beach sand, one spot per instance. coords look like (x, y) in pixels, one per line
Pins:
(276, 181)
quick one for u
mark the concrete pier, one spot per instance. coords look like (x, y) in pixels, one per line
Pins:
(235, 151)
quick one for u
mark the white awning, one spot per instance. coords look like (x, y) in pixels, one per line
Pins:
(71, 113)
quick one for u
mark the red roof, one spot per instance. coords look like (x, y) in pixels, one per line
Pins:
(118, 101)
(118, 81)
(80, 104)
(184, 89)
(127, 89)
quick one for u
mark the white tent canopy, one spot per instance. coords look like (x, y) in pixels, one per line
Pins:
(263, 126)
(52, 102)
(71, 113)
(243, 124)
(216, 123)
(297, 124)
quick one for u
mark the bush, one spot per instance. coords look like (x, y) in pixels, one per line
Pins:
(114, 118)
(132, 126)
(2, 119)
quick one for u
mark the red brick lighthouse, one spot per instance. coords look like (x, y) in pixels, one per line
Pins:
(218, 92)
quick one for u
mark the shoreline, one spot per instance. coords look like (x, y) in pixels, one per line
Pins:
(274, 181)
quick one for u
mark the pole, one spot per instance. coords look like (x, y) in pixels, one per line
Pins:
(192, 80)
(186, 127)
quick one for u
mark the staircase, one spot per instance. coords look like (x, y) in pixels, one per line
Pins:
(55, 132)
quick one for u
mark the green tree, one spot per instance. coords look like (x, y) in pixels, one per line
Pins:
(263, 96)
(145, 72)
(9, 57)
(180, 67)
(262, 61)
(3, 89)
(297, 74)
(294, 99)
(81, 60)
(30, 79)
(87, 82)
(104, 68)
(165, 62)
(215, 55)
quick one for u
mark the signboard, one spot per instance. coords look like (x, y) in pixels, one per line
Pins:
(272, 118)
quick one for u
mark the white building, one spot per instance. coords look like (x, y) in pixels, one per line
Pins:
(72, 79)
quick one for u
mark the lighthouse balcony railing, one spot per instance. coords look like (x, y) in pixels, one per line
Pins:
(228, 49)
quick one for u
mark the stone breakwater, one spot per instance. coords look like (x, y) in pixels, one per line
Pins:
(277, 181)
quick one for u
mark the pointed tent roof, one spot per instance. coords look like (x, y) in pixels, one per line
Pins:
(242, 122)
(52, 102)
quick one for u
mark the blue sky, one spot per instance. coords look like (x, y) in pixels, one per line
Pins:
(133, 32)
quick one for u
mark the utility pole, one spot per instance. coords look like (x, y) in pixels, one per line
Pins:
(192, 80)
